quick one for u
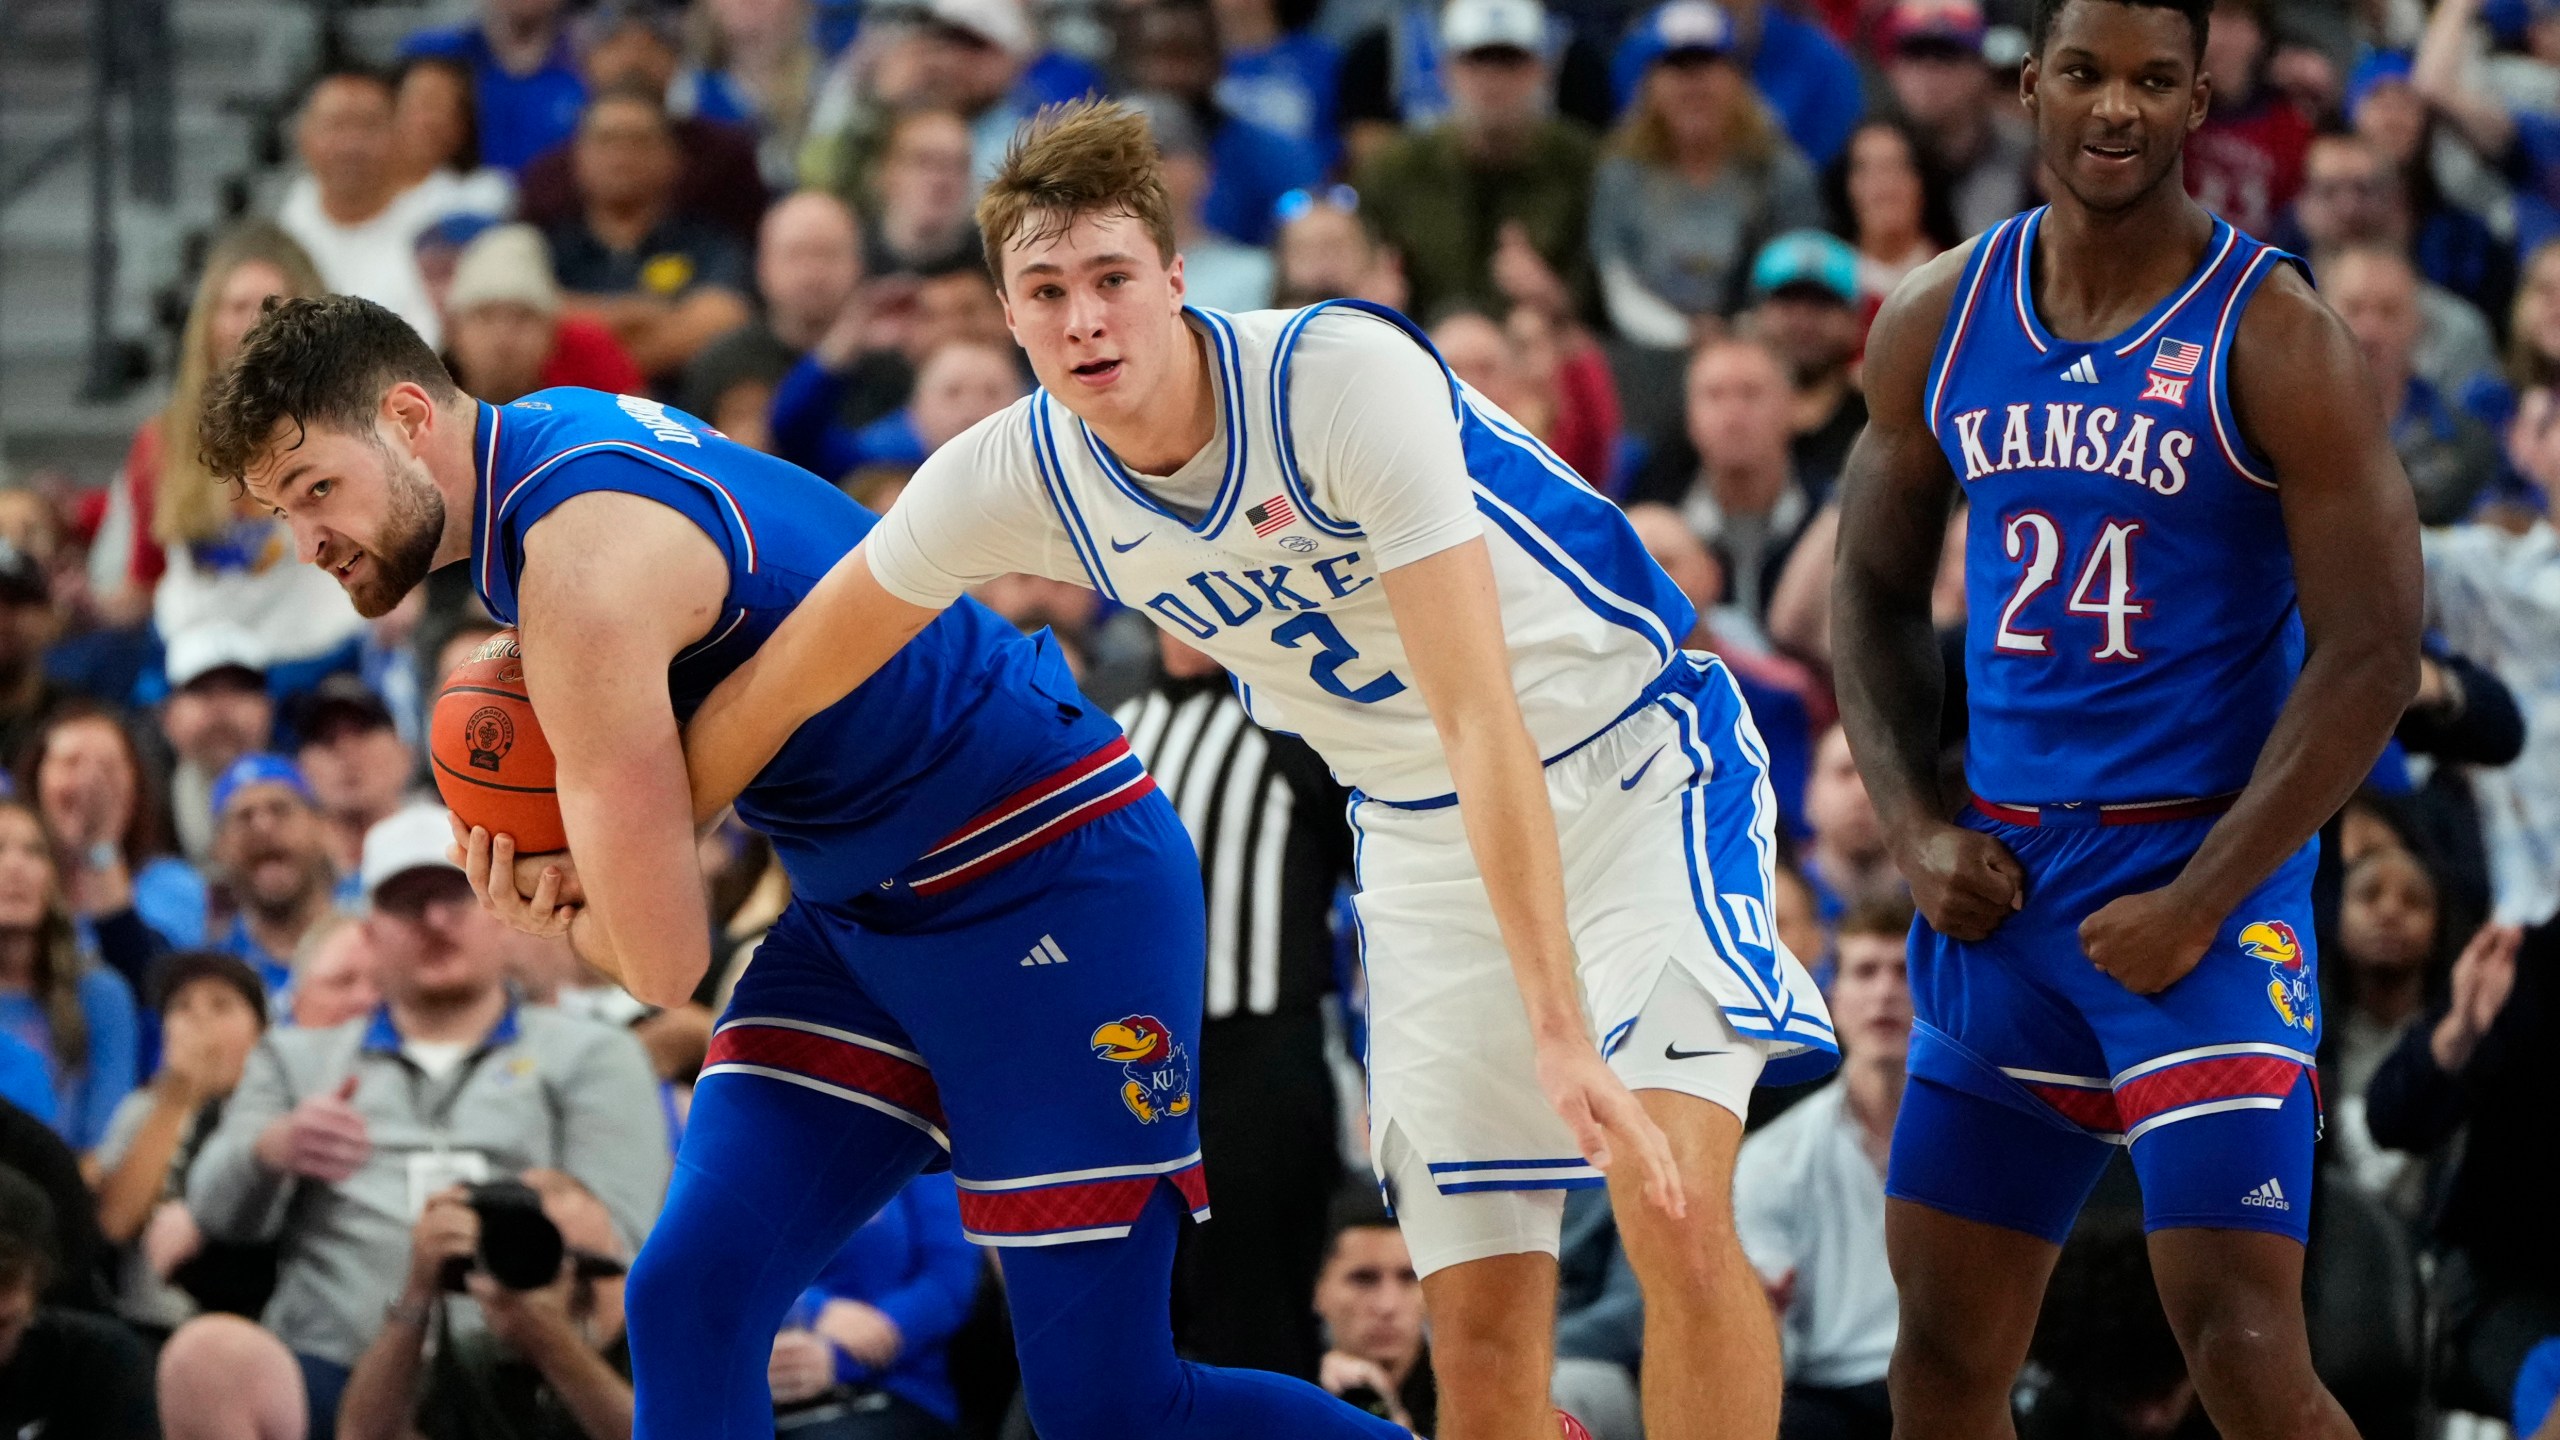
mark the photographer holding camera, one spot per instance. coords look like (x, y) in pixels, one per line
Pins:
(549, 1363)
(336, 1140)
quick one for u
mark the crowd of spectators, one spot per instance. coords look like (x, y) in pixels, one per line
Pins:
(279, 1106)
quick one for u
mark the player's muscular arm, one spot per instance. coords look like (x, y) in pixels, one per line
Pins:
(1894, 496)
(615, 585)
(1448, 611)
(2304, 400)
(839, 635)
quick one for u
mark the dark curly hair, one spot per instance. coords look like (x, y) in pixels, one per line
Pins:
(309, 363)
(2199, 15)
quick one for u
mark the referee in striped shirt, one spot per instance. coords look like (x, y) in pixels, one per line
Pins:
(1275, 846)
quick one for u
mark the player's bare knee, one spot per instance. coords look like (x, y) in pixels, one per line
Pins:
(221, 1376)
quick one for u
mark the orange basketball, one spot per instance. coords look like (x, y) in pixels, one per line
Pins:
(492, 765)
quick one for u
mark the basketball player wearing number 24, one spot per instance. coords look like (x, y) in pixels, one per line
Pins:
(965, 810)
(2193, 603)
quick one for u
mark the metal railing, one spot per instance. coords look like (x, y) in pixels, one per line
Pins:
(130, 79)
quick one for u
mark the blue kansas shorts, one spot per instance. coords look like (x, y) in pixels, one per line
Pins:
(2029, 1065)
(1040, 1023)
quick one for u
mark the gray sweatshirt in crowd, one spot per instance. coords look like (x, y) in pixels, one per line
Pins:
(544, 1090)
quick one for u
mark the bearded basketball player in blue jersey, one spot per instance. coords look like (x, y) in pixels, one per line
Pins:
(992, 956)
(2192, 580)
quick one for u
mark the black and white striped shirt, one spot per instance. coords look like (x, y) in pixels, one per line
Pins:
(1267, 818)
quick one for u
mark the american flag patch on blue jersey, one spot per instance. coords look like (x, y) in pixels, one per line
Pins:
(1272, 514)
(2178, 357)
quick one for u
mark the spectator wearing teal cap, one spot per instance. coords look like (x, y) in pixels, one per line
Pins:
(1698, 177)
(271, 850)
(1806, 307)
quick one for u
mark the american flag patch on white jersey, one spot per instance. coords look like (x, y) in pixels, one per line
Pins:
(2178, 357)
(1272, 514)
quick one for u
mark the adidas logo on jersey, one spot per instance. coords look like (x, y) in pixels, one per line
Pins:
(2269, 1196)
(1045, 953)
(2083, 370)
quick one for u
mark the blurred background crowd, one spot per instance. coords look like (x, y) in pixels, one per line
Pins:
(269, 1081)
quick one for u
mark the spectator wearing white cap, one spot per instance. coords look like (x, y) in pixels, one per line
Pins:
(970, 57)
(217, 711)
(505, 335)
(1493, 207)
(1698, 178)
(336, 1139)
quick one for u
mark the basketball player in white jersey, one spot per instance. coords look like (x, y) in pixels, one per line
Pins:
(1565, 825)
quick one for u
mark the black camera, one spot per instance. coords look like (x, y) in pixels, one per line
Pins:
(519, 1246)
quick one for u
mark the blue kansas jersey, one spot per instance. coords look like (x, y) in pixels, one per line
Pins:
(969, 747)
(2131, 630)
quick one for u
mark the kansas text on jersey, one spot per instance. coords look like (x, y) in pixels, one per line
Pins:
(2131, 631)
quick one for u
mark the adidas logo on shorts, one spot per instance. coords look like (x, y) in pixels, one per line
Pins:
(2269, 1196)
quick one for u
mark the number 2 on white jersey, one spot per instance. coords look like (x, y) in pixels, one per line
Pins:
(2104, 589)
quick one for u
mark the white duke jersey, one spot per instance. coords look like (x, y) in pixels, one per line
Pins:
(1367, 455)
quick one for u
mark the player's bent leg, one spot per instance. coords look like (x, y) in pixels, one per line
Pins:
(1979, 1198)
(1487, 1259)
(1093, 1328)
(2234, 1297)
(1493, 1329)
(772, 1178)
(1702, 1300)
(2226, 1197)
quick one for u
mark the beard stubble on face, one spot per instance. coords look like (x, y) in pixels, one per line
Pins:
(412, 528)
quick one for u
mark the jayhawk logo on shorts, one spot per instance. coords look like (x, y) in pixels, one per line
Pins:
(1156, 1069)
(2289, 976)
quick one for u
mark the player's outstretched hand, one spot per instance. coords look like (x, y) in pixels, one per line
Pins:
(2149, 941)
(1964, 881)
(1608, 1123)
(500, 880)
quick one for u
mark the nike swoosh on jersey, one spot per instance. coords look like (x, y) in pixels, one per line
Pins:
(1674, 1052)
(1630, 782)
(1132, 545)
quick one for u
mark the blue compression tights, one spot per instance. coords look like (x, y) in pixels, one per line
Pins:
(771, 1181)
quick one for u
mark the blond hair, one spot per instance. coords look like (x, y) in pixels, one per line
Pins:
(1750, 133)
(190, 504)
(1085, 157)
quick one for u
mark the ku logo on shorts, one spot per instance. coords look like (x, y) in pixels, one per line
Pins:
(1155, 1070)
(2289, 985)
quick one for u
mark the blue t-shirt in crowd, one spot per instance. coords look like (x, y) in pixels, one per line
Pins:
(25, 1080)
(169, 896)
(83, 1099)
(1250, 169)
(910, 1263)
(1287, 87)
(520, 116)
